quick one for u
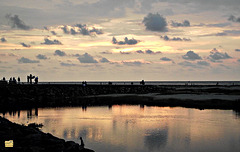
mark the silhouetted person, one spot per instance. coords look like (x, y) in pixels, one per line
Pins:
(82, 143)
(4, 79)
(36, 80)
(31, 77)
(142, 82)
(14, 80)
(18, 80)
(28, 79)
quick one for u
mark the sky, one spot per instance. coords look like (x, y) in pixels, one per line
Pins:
(107, 40)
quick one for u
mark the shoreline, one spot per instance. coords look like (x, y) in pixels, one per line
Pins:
(31, 139)
(18, 97)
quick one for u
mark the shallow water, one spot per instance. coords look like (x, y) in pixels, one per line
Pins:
(139, 129)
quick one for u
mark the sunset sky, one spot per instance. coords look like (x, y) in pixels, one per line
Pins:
(70, 40)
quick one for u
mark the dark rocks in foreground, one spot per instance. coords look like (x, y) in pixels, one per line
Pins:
(31, 139)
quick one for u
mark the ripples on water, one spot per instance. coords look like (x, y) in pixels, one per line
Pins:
(139, 128)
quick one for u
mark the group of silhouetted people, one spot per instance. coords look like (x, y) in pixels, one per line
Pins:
(31, 77)
(12, 80)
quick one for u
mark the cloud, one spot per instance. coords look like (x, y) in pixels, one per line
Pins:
(104, 60)
(237, 50)
(139, 52)
(190, 55)
(187, 64)
(53, 33)
(16, 22)
(132, 63)
(166, 38)
(147, 52)
(122, 52)
(203, 63)
(185, 23)
(87, 58)
(59, 53)
(81, 29)
(238, 60)
(26, 60)
(25, 45)
(234, 19)
(125, 42)
(151, 52)
(106, 52)
(155, 22)
(3, 40)
(216, 56)
(41, 57)
(67, 64)
(165, 59)
(50, 42)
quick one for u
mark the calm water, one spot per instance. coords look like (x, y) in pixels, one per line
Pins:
(140, 129)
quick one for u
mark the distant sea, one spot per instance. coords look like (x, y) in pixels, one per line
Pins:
(204, 83)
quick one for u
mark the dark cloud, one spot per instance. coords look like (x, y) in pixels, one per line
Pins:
(104, 60)
(106, 52)
(132, 63)
(234, 19)
(166, 38)
(3, 40)
(185, 23)
(50, 42)
(16, 22)
(59, 53)
(45, 28)
(26, 60)
(81, 29)
(73, 32)
(190, 55)
(238, 60)
(53, 33)
(65, 30)
(165, 59)
(155, 22)
(25, 45)
(139, 52)
(67, 64)
(216, 56)
(187, 64)
(238, 50)
(151, 52)
(203, 63)
(41, 57)
(125, 42)
(87, 58)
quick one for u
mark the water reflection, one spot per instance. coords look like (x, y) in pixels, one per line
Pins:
(237, 113)
(139, 128)
(156, 139)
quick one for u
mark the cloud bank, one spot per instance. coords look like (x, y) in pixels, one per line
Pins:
(26, 60)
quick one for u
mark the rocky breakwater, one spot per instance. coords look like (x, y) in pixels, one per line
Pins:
(15, 97)
(31, 139)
